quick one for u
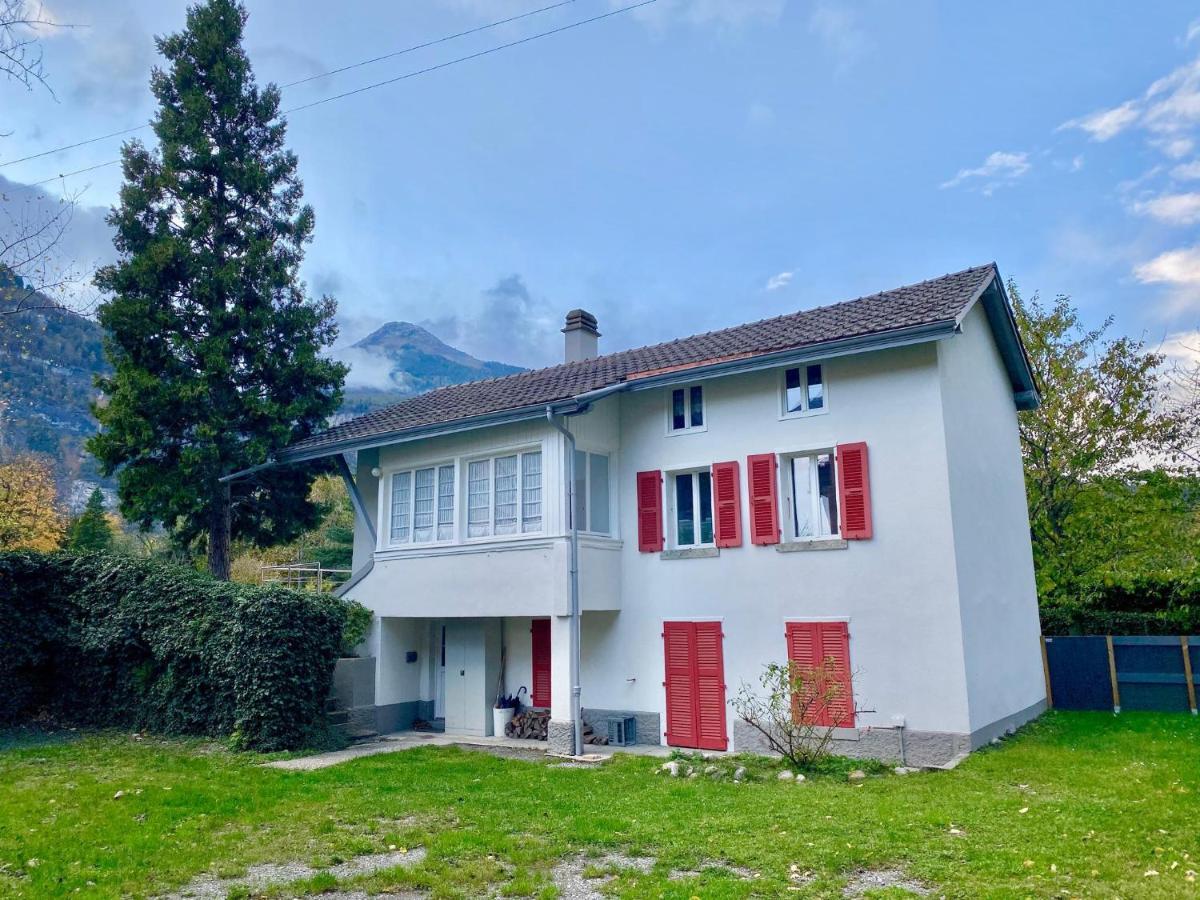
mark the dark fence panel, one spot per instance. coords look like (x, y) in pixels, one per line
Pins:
(1079, 672)
(1150, 672)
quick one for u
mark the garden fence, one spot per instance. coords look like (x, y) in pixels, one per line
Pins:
(1122, 672)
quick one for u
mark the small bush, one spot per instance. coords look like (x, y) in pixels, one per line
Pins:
(358, 625)
(1156, 603)
(109, 640)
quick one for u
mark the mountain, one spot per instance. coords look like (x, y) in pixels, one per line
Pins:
(401, 359)
(48, 358)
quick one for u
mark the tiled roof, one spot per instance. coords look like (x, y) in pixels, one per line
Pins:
(926, 303)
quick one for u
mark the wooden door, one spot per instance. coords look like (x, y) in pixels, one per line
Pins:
(540, 634)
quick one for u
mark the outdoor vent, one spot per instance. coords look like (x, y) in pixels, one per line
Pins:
(622, 731)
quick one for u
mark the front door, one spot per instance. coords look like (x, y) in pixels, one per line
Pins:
(455, 655)
(540, 632)
(695, 685)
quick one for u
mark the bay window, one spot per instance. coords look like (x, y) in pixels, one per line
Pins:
(591, 511)
(422, 505)
(504, 495)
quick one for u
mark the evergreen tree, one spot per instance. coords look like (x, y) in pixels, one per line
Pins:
(91, 533)
(215, 345)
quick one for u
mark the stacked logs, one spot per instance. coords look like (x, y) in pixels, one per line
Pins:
(534, 723)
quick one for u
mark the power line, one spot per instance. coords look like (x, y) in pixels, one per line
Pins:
(310, 78)
(377, 84)
(470, 56)
(433, 43)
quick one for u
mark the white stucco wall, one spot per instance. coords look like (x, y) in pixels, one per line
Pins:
(997, 591)
(939, 423)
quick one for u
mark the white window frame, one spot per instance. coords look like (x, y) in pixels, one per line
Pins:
(490, 458)
(687, 409)
(785, 475)
(587, 492)
(673, 512)
(411, 472)
(804, 412)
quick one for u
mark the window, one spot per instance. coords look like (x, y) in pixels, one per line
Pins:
(504, 495)
(692, 496)
(687, 409)
(803, 390)
(591, 492)
(813, 496)
(422, 505)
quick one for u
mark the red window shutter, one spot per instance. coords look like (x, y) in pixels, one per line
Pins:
(764, 500)
(649, 507)
(710, 687)
(854, 491)
(540, 631)
(814, 644)
(680, 683)
(727, 503)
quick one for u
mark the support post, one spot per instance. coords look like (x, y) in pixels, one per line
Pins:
(356, 499)
(1187, 672)
(1112, 674)
(1046, 674)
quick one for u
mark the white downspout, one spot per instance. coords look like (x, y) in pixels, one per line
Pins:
(576, 710)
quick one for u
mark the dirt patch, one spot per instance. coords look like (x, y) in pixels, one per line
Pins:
(569, 876)
(263, 876)
(875, 879)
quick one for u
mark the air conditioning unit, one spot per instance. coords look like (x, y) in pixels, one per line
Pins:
(622, 731)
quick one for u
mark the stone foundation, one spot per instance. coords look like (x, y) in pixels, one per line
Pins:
(560, 737)
(648, 723)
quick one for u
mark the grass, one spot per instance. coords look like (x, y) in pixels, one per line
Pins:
(1078, 804)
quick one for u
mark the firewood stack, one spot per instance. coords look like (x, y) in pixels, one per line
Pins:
(534, 723)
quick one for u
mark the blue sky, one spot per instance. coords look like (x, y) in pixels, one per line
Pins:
(695, 163)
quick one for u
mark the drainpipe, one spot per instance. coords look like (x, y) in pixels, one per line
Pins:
(576, 712)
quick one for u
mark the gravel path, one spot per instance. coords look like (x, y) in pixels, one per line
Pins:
(568, 874)
(262, 876)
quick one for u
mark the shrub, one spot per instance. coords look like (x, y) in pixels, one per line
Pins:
(1165, 602)
(358, 625)
(794, 701)
(118, 641)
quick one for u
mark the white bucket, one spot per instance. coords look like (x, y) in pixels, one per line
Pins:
(500, 718)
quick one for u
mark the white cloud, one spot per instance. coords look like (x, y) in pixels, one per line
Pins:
(776, 282)
(1174, 209)
(1176, 147)
(1000, 167)
(1179, 271)
(1187, 171)
(1176, 267)
(1181, 347)
(1193, 31)
(1106, 123)
(838, 28)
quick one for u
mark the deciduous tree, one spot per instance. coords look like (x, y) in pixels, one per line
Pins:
(216, 346)
(30, 517)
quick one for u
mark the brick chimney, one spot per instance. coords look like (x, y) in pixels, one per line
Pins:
(581, 336)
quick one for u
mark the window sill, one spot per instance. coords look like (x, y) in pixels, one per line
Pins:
(802, 546)
(690, 553)
(803, 414)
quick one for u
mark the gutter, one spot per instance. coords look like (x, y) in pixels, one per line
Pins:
(576, 613)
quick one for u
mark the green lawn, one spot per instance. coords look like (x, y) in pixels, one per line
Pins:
(1077, 805)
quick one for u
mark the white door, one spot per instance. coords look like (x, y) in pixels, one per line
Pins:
(455, 679)
(439, 687)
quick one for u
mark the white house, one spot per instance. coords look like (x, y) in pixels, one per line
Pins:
(844, 481)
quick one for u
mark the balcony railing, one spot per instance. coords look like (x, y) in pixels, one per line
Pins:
(303, 576)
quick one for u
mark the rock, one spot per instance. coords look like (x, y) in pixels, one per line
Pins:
(118, 795)
(906, 770)
(711, 770)
(693, 774)
(691, 770)
(739, 774)
(800, 779)
(785, 775)
(671, 768)
(857, 775)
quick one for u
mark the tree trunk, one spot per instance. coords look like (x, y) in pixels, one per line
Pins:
(218, 533)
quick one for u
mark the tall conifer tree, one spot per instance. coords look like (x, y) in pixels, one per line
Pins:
(214, 342)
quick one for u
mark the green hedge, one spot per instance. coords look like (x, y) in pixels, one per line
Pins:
(108, 640)
(1157, 603)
